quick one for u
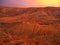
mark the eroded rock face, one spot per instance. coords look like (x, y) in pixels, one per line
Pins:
(30, 26)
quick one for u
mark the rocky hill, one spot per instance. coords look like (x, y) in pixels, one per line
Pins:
(30, 26)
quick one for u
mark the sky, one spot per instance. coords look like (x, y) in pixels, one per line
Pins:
(30, 3)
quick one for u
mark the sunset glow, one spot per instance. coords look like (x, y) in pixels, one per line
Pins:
(30, 3)
(48, 2)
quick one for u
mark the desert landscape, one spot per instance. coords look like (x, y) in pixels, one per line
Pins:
(30, 26)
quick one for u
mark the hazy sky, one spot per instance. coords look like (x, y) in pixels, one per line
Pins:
(29, 3)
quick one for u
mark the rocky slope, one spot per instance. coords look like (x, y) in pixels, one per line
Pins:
(30, 26)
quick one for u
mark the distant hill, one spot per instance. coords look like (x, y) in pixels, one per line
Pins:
(30, 26)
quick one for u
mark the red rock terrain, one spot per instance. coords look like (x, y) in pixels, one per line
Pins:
(30, 26)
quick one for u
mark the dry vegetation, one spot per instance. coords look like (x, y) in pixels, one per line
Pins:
(30, 26)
